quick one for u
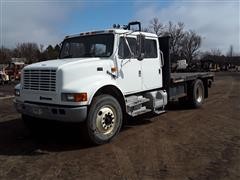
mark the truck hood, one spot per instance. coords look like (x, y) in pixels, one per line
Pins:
(59, 63)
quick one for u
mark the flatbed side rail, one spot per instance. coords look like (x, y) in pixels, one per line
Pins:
(184, 77)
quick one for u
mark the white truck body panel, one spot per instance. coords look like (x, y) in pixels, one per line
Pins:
(151, 71)
(81, 75)
(73, 76)
(136, 76)
(129, 79)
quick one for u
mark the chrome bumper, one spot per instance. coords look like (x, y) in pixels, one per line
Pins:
(59, 113)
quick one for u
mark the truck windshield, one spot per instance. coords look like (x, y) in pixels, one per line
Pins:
(100, 45)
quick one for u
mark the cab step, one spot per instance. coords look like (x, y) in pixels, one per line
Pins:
(159, 111)
(142, 110)
(135, 105)
(135, 100)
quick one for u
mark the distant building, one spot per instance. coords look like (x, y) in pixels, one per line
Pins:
(220, 62)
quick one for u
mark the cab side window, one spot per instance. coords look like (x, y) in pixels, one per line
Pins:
(123, 50)
(150, 47)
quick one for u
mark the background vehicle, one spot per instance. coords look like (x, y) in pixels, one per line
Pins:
(101, 76)
(4, 78)
(13, 70)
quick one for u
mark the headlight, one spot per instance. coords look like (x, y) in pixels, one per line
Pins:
(74, 97)
(17, 92)
(17, 89)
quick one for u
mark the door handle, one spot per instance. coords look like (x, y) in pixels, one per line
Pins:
(162, 58)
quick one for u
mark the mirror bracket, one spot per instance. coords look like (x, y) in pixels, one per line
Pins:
(141, 46)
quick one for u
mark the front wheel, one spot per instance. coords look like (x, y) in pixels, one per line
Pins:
(104, 119)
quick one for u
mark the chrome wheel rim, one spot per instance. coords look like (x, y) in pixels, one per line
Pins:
(106, 120)
(199, 94)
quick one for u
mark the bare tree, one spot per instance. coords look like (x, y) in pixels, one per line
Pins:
(183, 44)
(52, 52)
(176, 33)
(146, 30)
(41, 46)
(156, 27)
(30, 51)
(190, 45)
(5, 55)
(215, 52)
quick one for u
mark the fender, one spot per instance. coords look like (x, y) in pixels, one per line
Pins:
(94, 87)
(91, 85)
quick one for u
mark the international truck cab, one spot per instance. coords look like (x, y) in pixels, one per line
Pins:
(101, 76)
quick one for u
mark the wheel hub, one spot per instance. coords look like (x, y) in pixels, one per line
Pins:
(108, 119)
(199, 94)
(105, 121)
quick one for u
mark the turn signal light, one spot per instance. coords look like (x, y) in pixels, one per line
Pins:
(113, 69)
(74, 97)
(80, 97)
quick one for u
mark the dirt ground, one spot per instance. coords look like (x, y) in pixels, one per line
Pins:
(183, 143)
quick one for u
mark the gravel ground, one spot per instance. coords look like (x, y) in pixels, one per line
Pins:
(183, 143)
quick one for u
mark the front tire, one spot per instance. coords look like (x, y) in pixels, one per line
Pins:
(104, 119)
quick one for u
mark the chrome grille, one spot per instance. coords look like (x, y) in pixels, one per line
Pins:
(42, 80)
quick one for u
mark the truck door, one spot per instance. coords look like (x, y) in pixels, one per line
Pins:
(129, 67)
(151, 66)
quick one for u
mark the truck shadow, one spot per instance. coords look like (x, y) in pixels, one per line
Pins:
(176, 106)
(15, 139)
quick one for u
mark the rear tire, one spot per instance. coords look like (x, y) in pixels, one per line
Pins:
(197, 93)
(104, 119)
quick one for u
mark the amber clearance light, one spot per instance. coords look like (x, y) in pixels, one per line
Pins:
(80, 97)
(113, 69)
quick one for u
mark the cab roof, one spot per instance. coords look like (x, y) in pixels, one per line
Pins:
(114, 31)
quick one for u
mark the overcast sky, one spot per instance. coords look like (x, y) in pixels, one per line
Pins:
(47, 22)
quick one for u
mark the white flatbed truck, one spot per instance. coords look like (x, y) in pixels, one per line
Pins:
(101, 76)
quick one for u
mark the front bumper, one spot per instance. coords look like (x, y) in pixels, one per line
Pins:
(52, 112)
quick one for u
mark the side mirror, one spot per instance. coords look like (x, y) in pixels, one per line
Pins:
(60, 49)
(140, 46)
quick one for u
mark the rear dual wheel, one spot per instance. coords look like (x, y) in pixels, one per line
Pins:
(197, 93)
